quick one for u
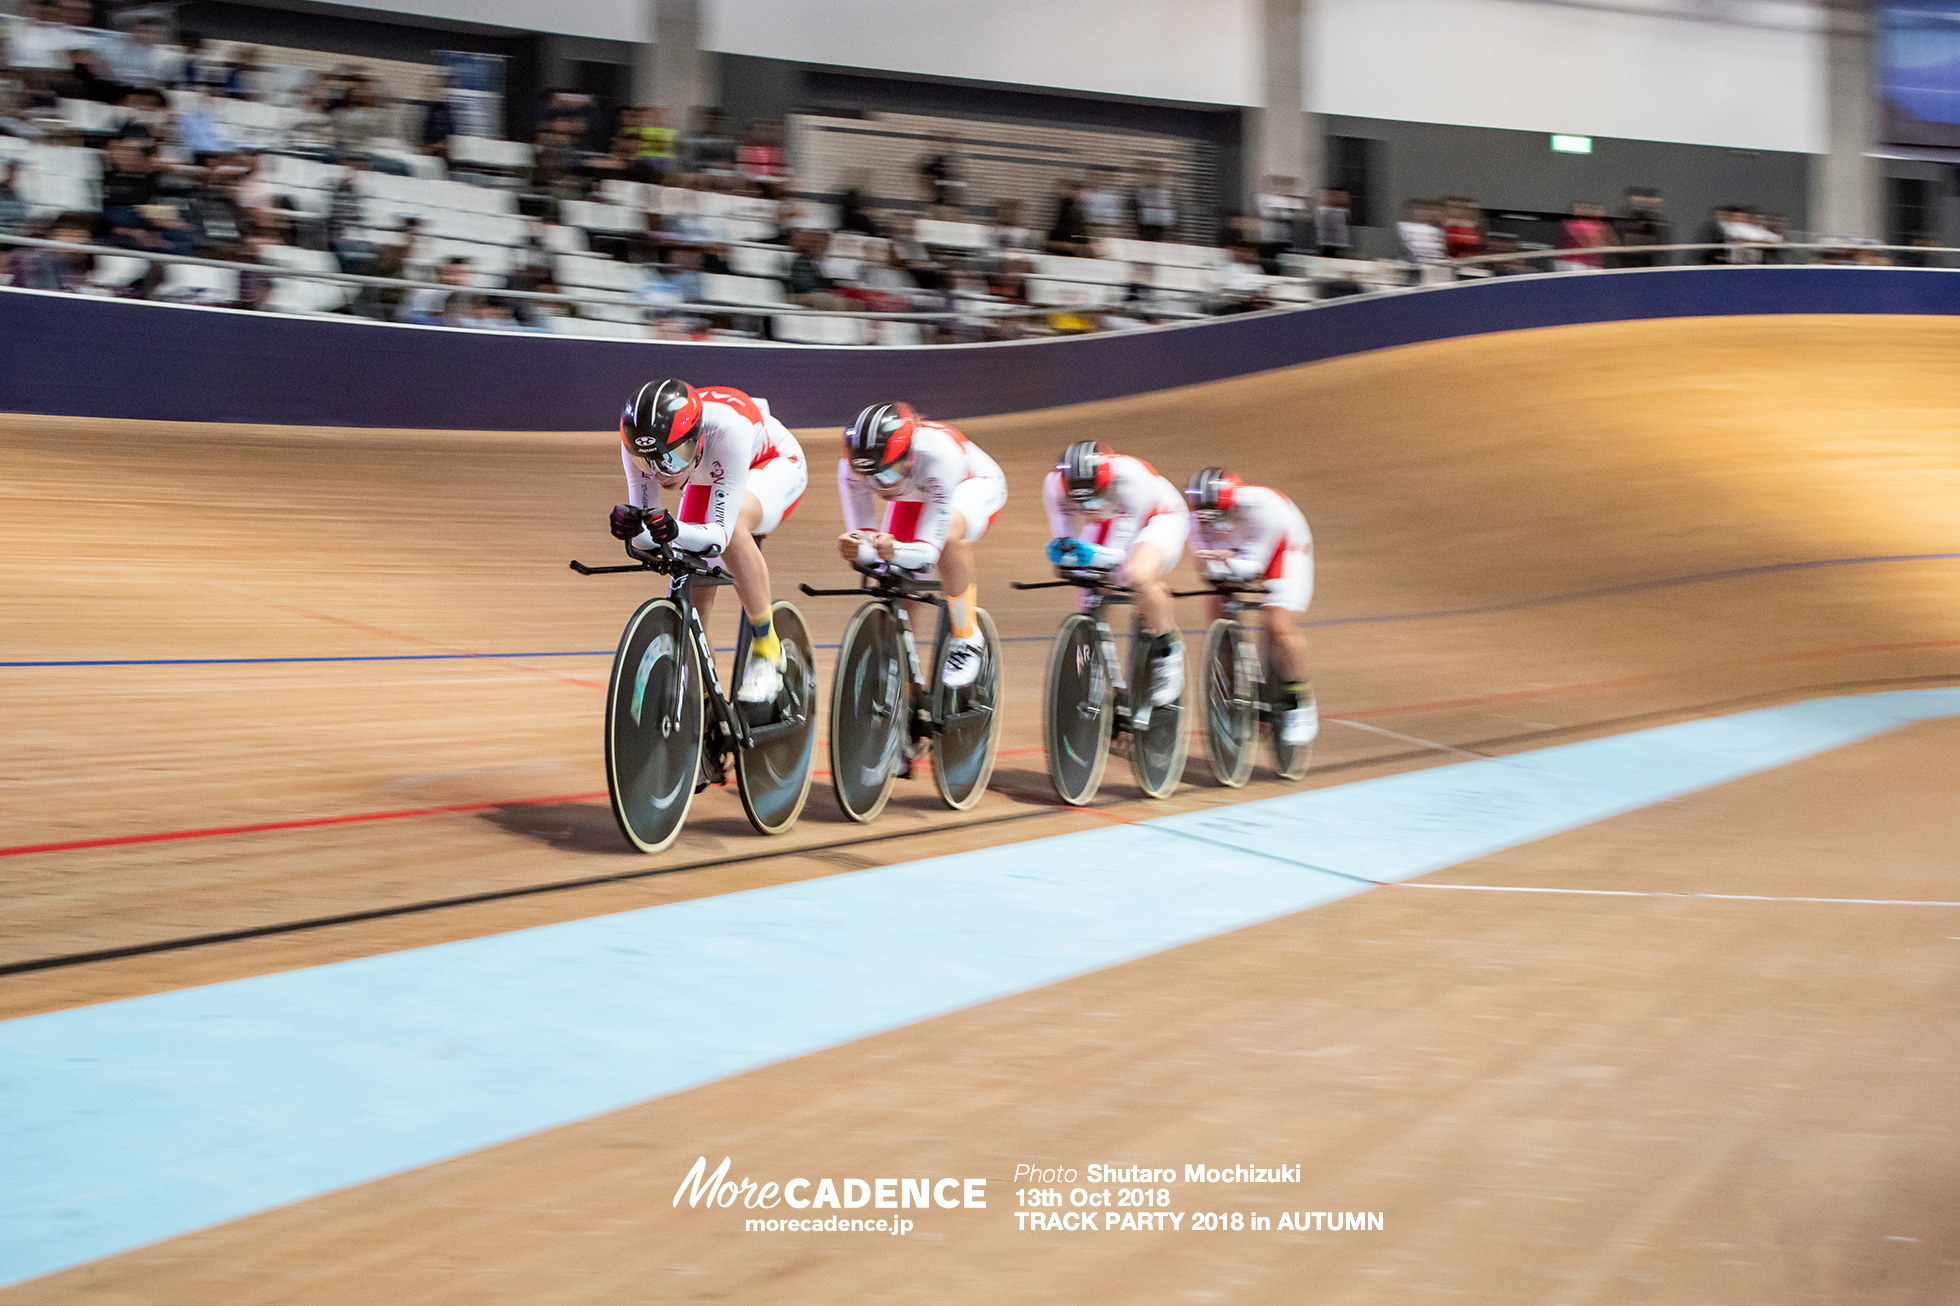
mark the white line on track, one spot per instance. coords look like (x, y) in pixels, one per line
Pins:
(1409, 739)
(1661, 893)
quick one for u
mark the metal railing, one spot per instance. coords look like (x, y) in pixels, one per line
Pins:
(1768, 253)
(1518, 262)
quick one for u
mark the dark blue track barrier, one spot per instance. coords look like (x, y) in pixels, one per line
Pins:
(89, 357)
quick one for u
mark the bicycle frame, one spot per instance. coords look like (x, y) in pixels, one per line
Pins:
(892, 588)
(1100, 594)
(725, 726)
(1233, 603)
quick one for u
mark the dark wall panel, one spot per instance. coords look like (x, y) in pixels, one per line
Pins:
(1518, 170)
(108, 358)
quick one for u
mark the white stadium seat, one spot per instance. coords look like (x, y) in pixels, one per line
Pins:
(953, 235)
(191, 283)
(480, 152)
(761, 292)
(811, 329)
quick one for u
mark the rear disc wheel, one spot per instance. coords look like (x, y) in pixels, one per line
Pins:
(773, 774)
(969, 733)
(1158, 751)
(1081, 702)
(1231, 705)
(869, 703)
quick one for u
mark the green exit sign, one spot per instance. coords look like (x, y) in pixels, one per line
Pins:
(1572, 145)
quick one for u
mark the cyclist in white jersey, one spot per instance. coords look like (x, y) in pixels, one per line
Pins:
(941, 493)
(1114, 513)
(1253, 533)
(739, 473)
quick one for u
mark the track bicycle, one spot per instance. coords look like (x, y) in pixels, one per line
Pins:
(671, 731)
(882, 716)
(1090, 701)
(1240, 697)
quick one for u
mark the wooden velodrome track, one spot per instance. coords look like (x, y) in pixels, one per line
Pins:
(1522, 540)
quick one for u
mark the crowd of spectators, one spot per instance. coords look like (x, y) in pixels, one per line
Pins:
(177, 171)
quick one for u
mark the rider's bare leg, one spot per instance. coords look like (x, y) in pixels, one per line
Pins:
(1143, 572)
(1288, 644)
(745, 563)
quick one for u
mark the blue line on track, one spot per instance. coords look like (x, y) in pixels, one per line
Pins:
(1638, 587)
(129, 1122)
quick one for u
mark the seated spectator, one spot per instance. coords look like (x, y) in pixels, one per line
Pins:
(623, 162)
(145, 58)
(1068, 230)
(1421, 233)
(424, 305)
(1154, 204)
(942, 176)
(806, 285)
(249, 79)
(1241, 284)
(1463, 228)
(38, 43)
(760, 157)
(882, 286)
(1643, 224)
(1279, 207)
(1586, 229)
(659, 143)
(710, 150)
(363, 122)
(1008, 232)
(203, 70)
(149, 118)
(576, 116)
(1716, 231)
(851, 212)
(1333, 234)
(135, 209)
(686, 273)
(1504, 242)
(435, 119)
(13, 209)
(200, 130)
(1102, 203)
(35, 268)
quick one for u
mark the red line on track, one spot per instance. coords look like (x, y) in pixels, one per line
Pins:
(353, 818)
(213, 832)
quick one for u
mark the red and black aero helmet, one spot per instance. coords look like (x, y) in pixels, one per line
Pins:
(1085, 469)
(663, 425)
(1211, 489)
(879, 441)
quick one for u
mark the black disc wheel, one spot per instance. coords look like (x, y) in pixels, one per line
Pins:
(773, 773)
(653, 726)
(869, 703)
(1290, 760)
(969, 727)
(1231, 686)
(1081, 703)
(1157, 752)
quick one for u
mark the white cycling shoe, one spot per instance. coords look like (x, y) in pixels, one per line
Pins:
(1300, 725)
(1167, 676)
(761, 682)
(963, 658)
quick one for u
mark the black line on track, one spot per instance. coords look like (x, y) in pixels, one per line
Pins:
(491, 895)
(1049, 808)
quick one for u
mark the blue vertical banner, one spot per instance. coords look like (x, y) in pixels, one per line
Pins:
(1919, 72)
(476, 91)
